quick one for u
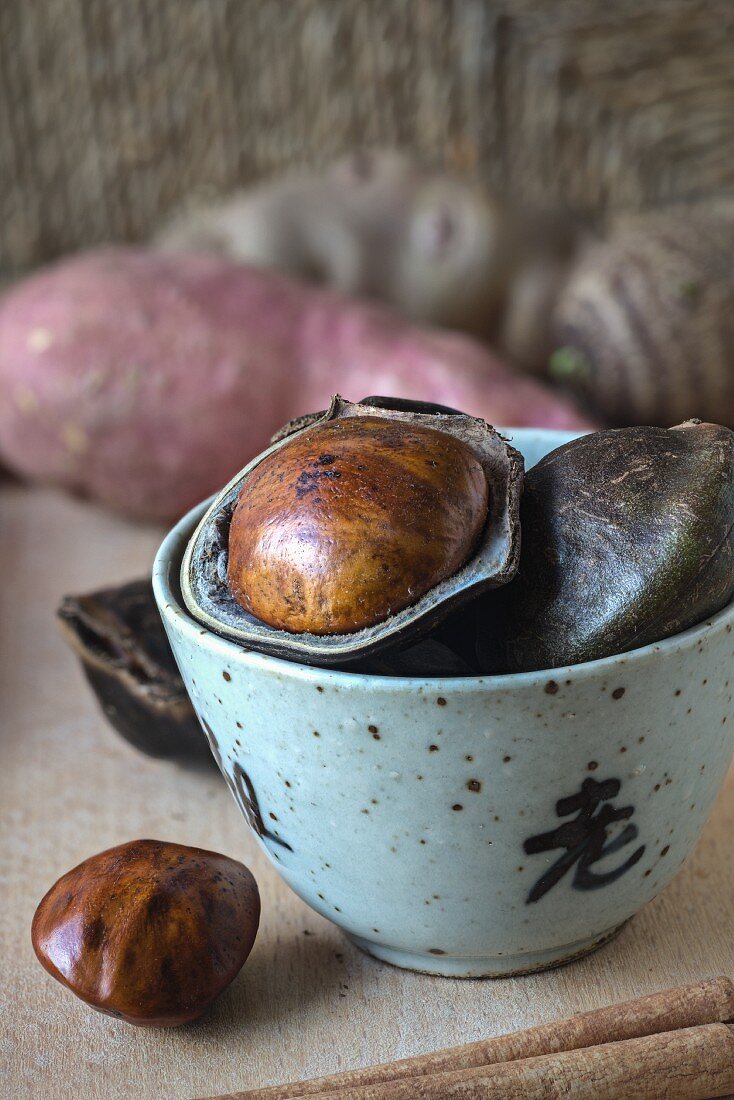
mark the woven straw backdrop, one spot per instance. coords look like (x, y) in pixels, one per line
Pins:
(114, 112)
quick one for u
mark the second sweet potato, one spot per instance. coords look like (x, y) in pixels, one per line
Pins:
(145, 380)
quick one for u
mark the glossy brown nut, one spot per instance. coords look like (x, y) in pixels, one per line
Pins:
(150, 932)
(351, 521)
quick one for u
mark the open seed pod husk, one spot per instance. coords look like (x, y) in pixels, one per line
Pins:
(118, 635)
(449, 650)
(376, 401)
(492, 561)
(427, 659)
(627, 539)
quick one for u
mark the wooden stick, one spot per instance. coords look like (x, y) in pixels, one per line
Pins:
(695, 1063)
(705, 1002)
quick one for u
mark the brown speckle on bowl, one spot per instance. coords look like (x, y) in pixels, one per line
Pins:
(551, 688)
(618, 693)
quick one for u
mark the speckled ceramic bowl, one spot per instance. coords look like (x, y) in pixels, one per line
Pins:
(478, 826)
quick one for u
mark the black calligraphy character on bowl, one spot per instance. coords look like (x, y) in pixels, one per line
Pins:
(585, 839)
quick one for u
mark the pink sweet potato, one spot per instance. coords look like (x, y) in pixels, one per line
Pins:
(146, 380)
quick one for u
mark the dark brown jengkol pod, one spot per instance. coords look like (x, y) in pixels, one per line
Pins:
(119, 638)
(427, 659)
(150, 932)
(384, 531)
(376, 401)
(626, 539)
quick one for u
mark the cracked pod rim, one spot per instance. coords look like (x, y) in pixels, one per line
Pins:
(204, 568)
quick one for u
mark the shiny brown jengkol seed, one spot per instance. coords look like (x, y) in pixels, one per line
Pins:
(627, 538)
(351, 521)
(150, 932)
(357, 532)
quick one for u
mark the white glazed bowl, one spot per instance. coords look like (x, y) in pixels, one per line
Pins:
(477, 826)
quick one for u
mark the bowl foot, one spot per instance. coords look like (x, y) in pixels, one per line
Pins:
(485, 966)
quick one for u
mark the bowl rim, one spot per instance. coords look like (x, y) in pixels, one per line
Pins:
(166, 587)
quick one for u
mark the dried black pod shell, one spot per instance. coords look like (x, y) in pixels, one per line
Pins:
(397, 404)
(428, 658)
(626, 539)
(119, 638)
(494, 561)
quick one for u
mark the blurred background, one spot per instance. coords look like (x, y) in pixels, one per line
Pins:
(113, 114)
(553, 181)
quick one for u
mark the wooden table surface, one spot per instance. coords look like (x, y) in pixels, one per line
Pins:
(307, 1002)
